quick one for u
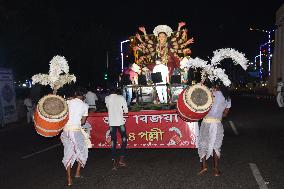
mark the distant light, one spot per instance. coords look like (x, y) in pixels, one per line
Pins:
(121, 53)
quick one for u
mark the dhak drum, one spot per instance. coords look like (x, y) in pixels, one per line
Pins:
(51, 115)
(194, 102)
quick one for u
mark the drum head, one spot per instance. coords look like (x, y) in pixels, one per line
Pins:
(198, 98)
(52, 107)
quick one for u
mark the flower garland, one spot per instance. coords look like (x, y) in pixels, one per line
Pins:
(55, 79)
(211, 71)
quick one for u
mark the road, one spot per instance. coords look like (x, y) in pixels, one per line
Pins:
(251, 157)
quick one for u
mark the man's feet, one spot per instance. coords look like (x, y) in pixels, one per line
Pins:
(216, 172)
(114, 165)
(121, 162)
(79, 176)
(202, 171)
(69, 182)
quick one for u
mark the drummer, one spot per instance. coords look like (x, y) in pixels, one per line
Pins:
(72, 137)
(211, 131)
(162, 87)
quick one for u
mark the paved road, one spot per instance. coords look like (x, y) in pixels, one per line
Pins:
(251, 158)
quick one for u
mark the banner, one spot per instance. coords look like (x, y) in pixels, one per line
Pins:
(7, 97)
(146, 129)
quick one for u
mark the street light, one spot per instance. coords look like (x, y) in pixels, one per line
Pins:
(121, 53)
(269, 49)
(255, 60)
(269, 57)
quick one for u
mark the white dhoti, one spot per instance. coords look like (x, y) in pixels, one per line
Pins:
(210, 138)
(75, 147)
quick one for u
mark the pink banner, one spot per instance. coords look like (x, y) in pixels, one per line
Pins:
(146, 129)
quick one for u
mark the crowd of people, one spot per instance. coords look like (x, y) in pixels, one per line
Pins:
(81, 102)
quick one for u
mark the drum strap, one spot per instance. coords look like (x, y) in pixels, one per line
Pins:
(211, 120)
(71, 128)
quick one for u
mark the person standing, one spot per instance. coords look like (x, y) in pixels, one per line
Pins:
(162, 88)
(211, 131)
(129, 78)
(117, 106)
(72, 137)
(29, 107)
(280, 91)
(91, 99)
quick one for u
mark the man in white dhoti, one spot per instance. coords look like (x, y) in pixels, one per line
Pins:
(161, 87)
(280, 92)
(72, 137)
(211, 131)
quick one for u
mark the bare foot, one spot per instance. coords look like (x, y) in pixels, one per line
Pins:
(79, 176)
(216, 172)
(114, 165)
(69, 182)
(122, 164)
(202, 171)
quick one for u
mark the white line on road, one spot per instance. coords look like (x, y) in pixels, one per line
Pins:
(233, 127)
(261, 183)
(43, 150)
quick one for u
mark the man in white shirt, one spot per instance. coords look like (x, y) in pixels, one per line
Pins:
(280, 88)
(162, 88)
(29, 105)
(72, 137)
(211, 131)
(117, 106)
(91, 99)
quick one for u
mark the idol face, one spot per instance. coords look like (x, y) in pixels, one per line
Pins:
(162, 38)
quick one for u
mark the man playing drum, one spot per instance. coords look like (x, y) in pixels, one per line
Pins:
(211, 131)
(72, 137)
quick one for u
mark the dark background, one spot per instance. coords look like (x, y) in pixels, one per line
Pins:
(33, 31)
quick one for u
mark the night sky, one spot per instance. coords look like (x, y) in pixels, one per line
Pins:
(33, 31)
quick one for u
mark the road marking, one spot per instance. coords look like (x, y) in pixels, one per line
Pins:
(261, 183)
(43, 150)
(233, 127)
